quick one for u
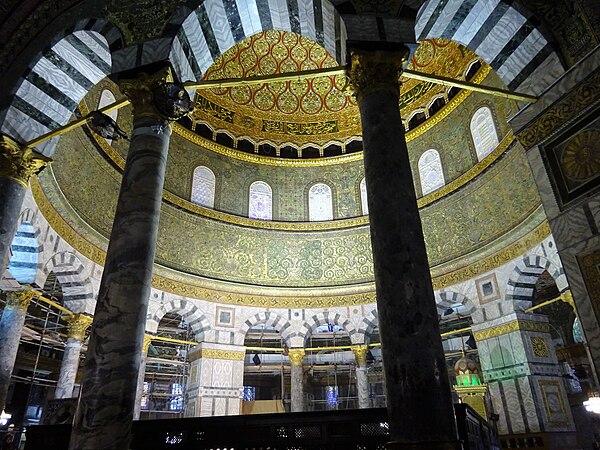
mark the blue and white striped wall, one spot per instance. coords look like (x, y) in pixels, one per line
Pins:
(510, 42)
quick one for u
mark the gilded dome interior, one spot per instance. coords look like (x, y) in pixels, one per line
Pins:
(317, 112)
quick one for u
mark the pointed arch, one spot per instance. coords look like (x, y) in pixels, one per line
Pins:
(53, 85)
(270, 319)
(522, 281)
(327, 318)
(78, 291)
(366, 327)
(194, 317)
(447, 299)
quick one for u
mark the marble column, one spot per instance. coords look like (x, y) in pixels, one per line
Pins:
(17, 164)
(362, 379)
(11, 324)
(419, 404)
(78, 325)
(105, 412)
(297, 379)
(139, 392)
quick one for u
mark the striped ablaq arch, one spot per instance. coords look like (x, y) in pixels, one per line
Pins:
(509, 41)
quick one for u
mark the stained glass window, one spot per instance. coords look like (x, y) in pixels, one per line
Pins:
(483, 131)
(249, 394)
(430, 171)
(363, 197)
(332, 395)
(203, 187)
(260, 205)
(320, 203)
(176, 403)
(106, 98)
(145, 392)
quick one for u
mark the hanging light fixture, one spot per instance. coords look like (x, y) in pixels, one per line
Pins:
(592, 404)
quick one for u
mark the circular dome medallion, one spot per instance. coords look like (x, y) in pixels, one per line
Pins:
(581, 157)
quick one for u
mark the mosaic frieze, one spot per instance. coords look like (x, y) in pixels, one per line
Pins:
(455, 225)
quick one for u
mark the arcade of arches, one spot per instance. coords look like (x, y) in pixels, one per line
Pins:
(310, 230)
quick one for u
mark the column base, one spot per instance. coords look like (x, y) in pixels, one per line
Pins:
(446, 445)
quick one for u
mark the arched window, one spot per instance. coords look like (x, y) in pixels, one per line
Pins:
(320, 203)
(260, 204)
(483, 131)
(363, 197)
(430, 171)
(107, 98)
(203, 187)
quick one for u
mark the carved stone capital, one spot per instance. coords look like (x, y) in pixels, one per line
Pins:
(19, 162)
(296, 355)
(156, 96)
(147, 341)
(78, 325)
(19, 300)
(360, 353)
(376, 70)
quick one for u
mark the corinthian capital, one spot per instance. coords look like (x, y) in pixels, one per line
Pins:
(296, 355)
(376, 70)
(19, 162)
(78, 325)
(19, 300)
(156, 95)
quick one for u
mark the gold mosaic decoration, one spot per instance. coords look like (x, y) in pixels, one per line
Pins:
(510, 327)
(561, 112)
(581, 157)
(324, 300)
(314, 111)
(539, 346)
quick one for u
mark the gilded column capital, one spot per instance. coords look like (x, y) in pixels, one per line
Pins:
(147, 341)
(567, 297)
(360, 353)
(19, 162)
(78, 325)
(19, 300)
(296, 355)
(156, 96)
(376, 70)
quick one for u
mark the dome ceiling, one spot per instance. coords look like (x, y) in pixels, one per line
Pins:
(307, 111)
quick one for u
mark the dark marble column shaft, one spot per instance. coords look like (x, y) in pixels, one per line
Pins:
(11, 325)
(105, 412)
(419, 402)
(17, 164)
(11, 199)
